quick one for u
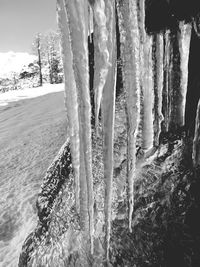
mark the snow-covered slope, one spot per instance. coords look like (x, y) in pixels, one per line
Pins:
(16, 95)
(14, 62)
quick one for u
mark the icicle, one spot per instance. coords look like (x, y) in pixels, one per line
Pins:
(196, 141)
(90, 22)
(108, 110)
(147, 85)
(184, 48)
(70, 96)
(101, 54)
(196, 24)
(131, 61)
(158, 88)
(146, 78)
(165, 96)
(141, 19)
(77, 12)
(180, 39)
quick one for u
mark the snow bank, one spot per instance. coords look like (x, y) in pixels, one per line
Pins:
(12, 96)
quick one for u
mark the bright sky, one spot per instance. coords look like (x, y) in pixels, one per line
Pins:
(21, 20)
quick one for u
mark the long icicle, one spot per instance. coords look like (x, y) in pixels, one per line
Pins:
(108, 112)
(158, 88)
(180, 40)
(77, 12)
(131, 61)
(165, 94)
(71, 103)
(147, 95)
(90, 22)
(184, 49)
(101, 54)
(146, 80)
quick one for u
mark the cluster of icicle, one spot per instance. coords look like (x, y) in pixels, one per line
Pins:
(147, 71)
(73, 19)
(73, 23)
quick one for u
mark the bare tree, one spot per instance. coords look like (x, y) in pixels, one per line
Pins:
(37, 50)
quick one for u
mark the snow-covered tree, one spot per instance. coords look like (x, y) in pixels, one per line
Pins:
(47, 48)
(51, 55)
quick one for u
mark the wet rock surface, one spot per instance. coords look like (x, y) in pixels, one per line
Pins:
(56, 176)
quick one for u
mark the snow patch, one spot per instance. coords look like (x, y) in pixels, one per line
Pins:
(12, 96)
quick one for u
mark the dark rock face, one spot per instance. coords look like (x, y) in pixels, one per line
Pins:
(166, 14)
(165, 229)
(52, 184)
(163, 14)
(184, 9)
(158, 16)
(193, 93)
(56, 176)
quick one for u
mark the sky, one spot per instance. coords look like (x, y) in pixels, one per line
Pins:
(21, 20)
